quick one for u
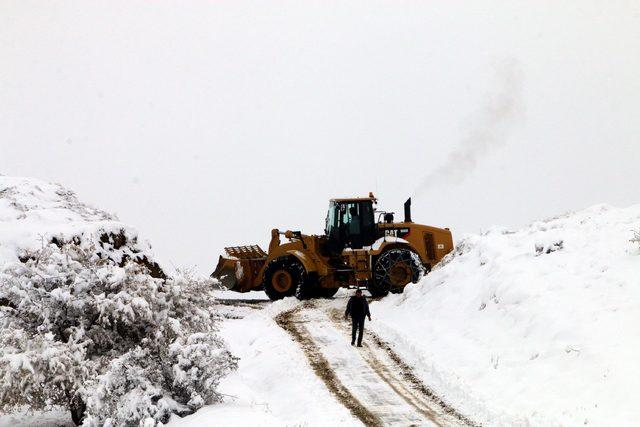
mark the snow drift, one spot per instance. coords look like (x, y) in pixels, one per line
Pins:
(538, 326)
(88, 321)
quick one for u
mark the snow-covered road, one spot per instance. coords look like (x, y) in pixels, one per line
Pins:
(372, 381)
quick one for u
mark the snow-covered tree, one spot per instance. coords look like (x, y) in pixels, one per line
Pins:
(105, 337)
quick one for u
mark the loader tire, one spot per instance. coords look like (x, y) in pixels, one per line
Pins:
(393, 270)
(326, 292)
(305, 291)
(307, 287)
(282, 277)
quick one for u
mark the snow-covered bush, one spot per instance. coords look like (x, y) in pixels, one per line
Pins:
(105, 338)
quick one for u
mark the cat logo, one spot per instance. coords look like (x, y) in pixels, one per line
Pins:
(397, 232)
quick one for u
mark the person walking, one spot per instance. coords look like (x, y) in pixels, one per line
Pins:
(358, 309)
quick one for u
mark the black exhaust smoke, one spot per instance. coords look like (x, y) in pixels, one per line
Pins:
(407, 210)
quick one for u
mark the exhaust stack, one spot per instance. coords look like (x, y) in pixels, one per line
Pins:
(407, 210)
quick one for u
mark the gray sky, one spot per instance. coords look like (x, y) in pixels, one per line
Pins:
(206, 124)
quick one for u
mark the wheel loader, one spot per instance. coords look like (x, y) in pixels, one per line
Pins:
(361, 247)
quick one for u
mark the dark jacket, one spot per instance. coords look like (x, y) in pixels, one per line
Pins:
(357, 307)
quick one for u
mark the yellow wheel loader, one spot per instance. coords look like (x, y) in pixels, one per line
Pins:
(356, 250)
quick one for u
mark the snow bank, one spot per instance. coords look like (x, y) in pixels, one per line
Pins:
(34, 213)
(538, 326)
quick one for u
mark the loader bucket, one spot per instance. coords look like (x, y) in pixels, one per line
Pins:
(240, 269)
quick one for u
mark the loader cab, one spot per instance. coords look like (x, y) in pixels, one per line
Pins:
(350, 224)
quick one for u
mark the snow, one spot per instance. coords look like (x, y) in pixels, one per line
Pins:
(273, 385)
(390, 239)
(56, 417)
(363, 371)
(537, 326)
(252, 295)
(378, 243)
(33, 211)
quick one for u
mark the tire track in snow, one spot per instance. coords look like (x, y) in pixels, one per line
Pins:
(393, 370)
(372, 381)
(321, 367)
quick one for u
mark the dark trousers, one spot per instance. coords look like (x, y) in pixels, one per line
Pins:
(357, 324)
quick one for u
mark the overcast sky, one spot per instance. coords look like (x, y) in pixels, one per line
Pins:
(206, 124)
